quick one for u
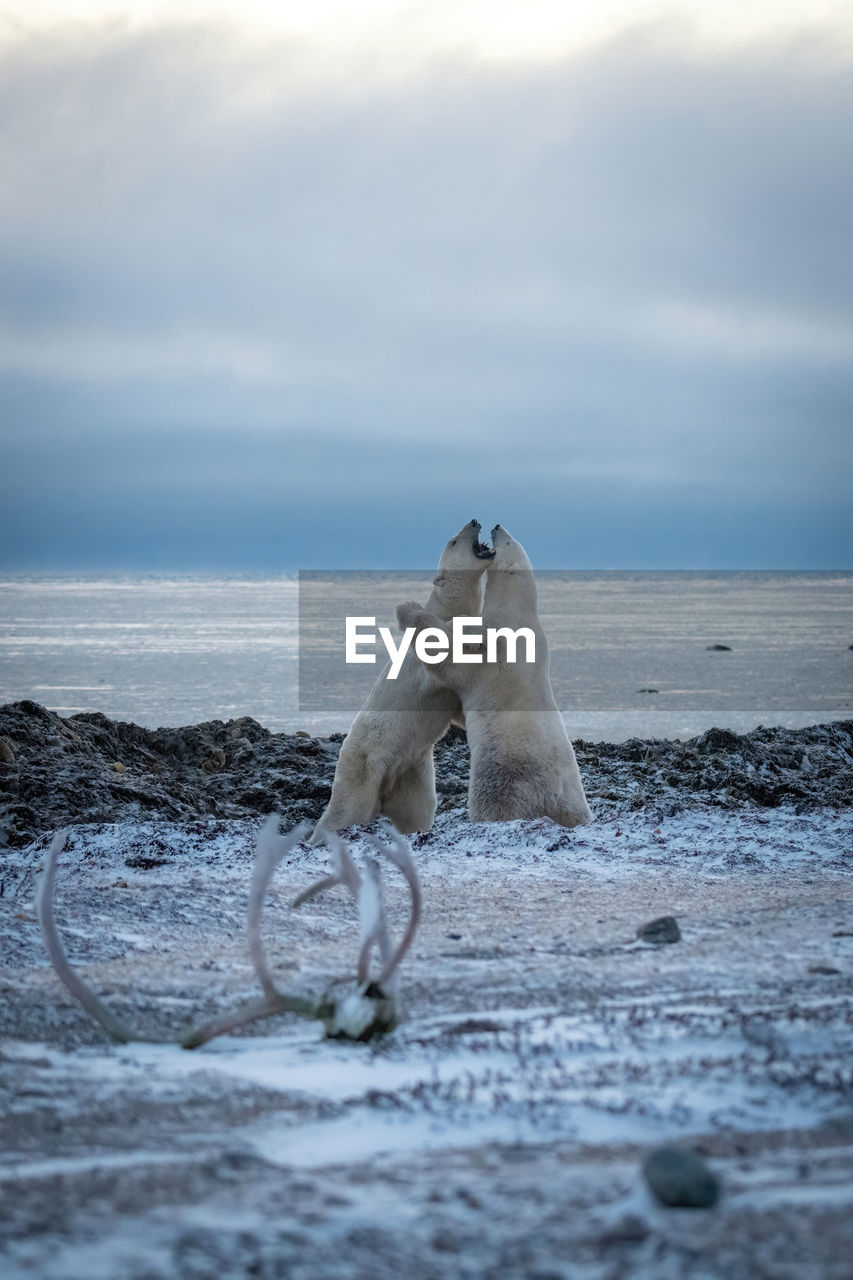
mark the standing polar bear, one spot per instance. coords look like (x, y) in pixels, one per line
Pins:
(522, 762)
(386, 763)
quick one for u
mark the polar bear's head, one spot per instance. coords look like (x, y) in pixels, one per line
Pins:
(465, 550)
(458, 585)
(508, 553)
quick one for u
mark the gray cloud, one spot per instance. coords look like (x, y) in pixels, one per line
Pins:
(621, 280)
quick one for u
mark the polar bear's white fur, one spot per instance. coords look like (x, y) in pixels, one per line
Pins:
(386, 762)
(522, 762)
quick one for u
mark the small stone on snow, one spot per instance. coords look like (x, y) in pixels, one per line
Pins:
(680, 1179)
(664, 929)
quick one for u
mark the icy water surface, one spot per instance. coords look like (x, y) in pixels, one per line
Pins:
(630, 651)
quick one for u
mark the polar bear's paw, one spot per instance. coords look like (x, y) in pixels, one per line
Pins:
(412, 614)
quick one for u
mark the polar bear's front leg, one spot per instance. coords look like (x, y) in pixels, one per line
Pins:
(355, 791)
(412, 614)
(458, 676)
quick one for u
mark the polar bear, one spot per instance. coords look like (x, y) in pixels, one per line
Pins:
(386, 763)
(522, 762)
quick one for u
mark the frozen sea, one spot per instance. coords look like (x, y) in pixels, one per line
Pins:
(631, 651)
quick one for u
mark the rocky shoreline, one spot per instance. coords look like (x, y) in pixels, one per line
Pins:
(88, 768)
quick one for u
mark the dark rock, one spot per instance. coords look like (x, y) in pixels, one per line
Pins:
(62, 771)
(680, 1179)
(65, 771)
(720, 769)
(714, 740)
(445, 1241)
(467, 1196)
(718, 648)
(631, 1229)
(664, 929)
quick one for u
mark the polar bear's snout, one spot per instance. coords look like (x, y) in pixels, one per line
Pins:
(481, 549)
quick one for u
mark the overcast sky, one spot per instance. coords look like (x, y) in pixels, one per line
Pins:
(312, 290)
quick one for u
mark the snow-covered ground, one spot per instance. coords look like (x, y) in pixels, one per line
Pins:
(500, 1130)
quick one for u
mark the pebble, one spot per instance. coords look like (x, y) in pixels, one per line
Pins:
(664, 929)
(118, 766)
(680, 1179)
(7, 755)
(630, 1229)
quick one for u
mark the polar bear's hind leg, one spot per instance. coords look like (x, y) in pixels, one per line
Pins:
(568, 813)
(410, 802)
(500, 791)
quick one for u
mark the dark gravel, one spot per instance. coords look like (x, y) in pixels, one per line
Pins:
(88, 768)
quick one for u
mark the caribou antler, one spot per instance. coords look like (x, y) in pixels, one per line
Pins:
(368, 1011)
(372, 1008)
(113, 1026)
(270, 848)
(397, 850)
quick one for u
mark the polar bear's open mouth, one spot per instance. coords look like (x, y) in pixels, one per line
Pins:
(481, 550)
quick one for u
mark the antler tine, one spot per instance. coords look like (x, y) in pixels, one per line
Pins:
(367, 891)
(397, 850)
(345, 873)
(371, 914)
(266, 1008)
(271, 848)
(346, 869)
(113, 1026)
(383, 936)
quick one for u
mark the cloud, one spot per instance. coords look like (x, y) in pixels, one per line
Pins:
(625, 272)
